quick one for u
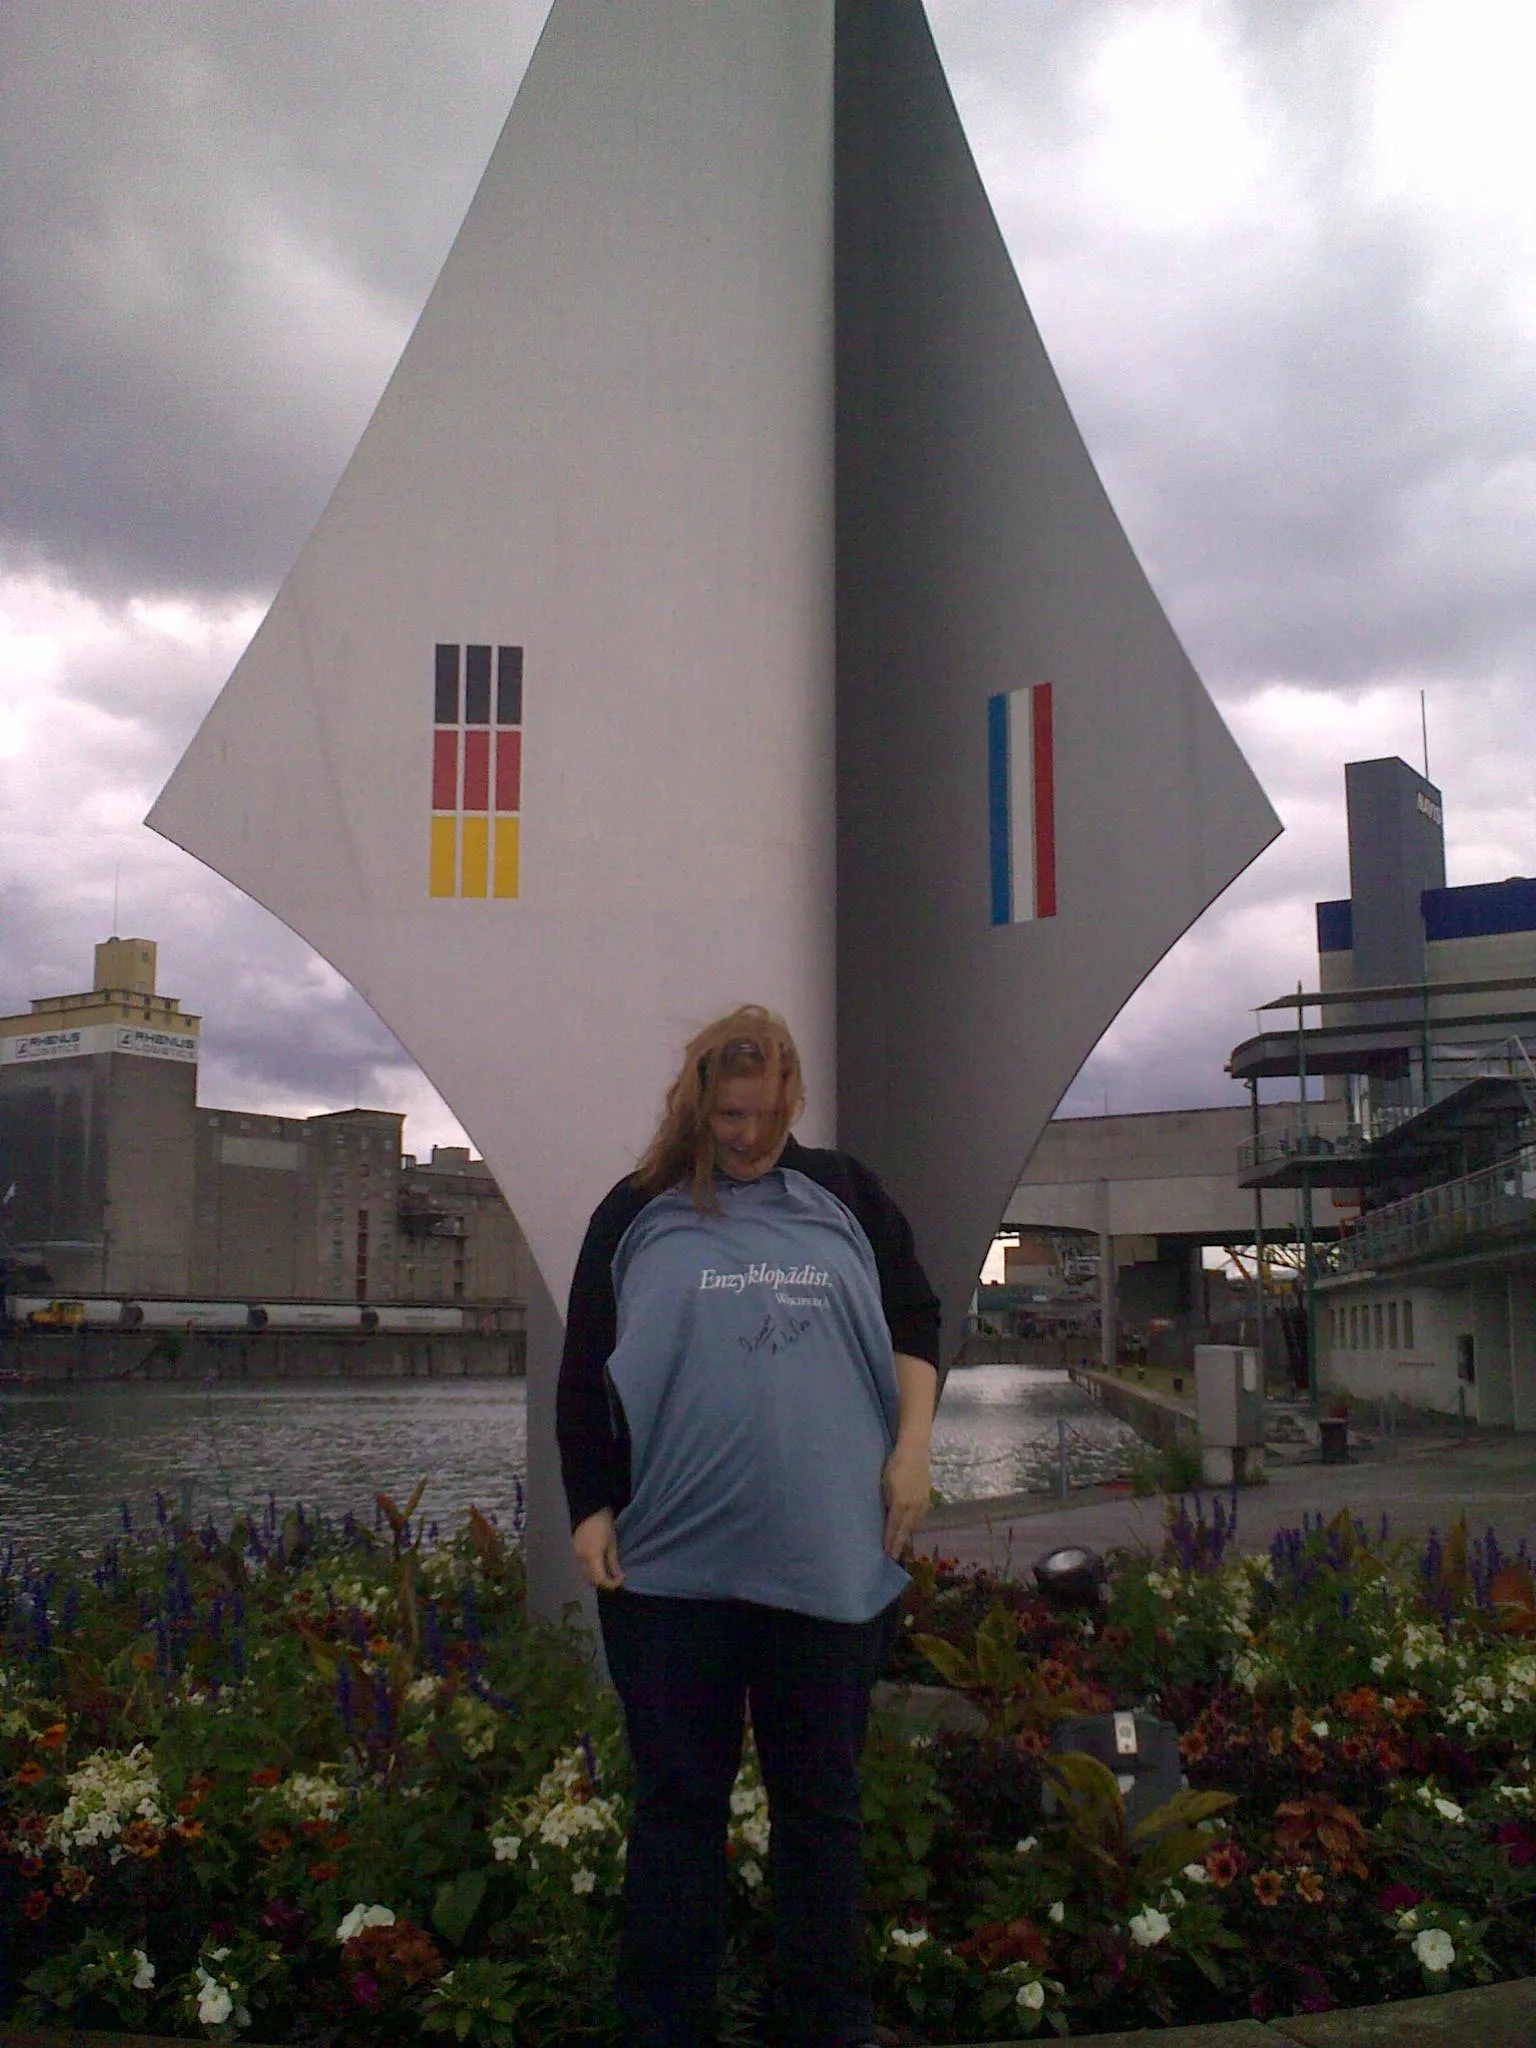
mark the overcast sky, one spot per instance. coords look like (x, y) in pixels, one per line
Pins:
(1282, 255)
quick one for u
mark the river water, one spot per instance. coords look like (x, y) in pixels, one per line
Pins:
(69, 1456)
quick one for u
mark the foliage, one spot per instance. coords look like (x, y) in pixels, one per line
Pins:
(332, 1784)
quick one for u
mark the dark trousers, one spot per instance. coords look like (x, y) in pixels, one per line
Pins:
(685, 1671)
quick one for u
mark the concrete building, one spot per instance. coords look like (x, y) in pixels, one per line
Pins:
(1425, 1029)
(126, 1187)
(97, 1105)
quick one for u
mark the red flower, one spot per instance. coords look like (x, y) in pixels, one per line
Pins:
(272, 1842)
(1517, 1842)
(35, 1905)
(54, 1736)
(1001, 1942)
(1397, 1898)
(267, 1776)
(30, 1773)
(365, 1988)
(1225, 1863)
(1268, 1887)
(322, 1872)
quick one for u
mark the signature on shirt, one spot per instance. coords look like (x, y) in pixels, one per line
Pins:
(775, 1334)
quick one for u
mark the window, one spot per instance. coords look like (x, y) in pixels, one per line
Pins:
(1407, 1325)
(1391, 1325)
(1378, 1318)
(1354, 1326)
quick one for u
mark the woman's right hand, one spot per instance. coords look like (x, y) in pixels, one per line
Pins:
(596, 1544)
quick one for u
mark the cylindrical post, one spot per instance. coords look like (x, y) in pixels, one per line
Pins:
(1061, 1457)
(1258, 1229)
(1106, 1283)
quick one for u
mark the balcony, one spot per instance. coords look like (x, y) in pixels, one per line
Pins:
(1480, 1213)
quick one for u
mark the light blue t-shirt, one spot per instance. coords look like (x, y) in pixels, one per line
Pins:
(754, 1367)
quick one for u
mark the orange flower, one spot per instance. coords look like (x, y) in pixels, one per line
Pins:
(1276, 1741)
(320, 1872)
(188, 1830)
(141, 1838)
(379, 1645)
(267, 1776)
(1360, 1703)
(1310, 1885)
(1310, 1756)
(203, 1782)
(54, 1736)
(30, 1772)
(1030, 1741)
(1224, 1863)
(272, 1842)
(1301, 1724)
(1268, 1887)
(188, 1804)
(314, 1828)
(74, 1882)
(1193, 1746)
(144, 1660)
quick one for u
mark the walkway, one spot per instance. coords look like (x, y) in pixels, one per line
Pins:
(1424, 1484)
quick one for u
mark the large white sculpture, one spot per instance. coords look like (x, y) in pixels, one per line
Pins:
(645, 659)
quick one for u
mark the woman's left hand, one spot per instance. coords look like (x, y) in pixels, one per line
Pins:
(905, 1485)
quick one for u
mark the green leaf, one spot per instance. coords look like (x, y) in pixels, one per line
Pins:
(456, 1905)
(1170, 1854)
(952, 1665)
(997, 1656)
(1183, 1810)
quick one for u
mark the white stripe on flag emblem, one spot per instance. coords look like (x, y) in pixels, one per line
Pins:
(1021, 797)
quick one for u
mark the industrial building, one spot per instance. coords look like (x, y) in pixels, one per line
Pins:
(124, 1186)
(1425, 1144)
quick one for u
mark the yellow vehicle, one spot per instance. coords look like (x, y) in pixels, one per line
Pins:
(58, 1315)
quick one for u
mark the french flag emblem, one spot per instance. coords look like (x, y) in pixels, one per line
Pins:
(1021, 800)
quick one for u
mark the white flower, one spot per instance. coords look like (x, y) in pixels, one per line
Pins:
(1409, 1919)
(105, 1792)
(1149, 1927)
(308, 1796)
(143, 1971)
(1031, 1995)
(364, 1916)
(908, 1937)
(1195, 1873)
(751, 1873)
(1058, 1912)
(1320, 1730)
(583, 1881)
(506, 1847)
(1023, 1847)
(1434, 1949)
(214, 2004)
(1448, 1810)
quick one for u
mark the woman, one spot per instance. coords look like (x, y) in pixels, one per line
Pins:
(745, 1406)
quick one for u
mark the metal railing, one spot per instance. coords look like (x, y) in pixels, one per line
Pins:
(1271, 1148)
(1456, 1215)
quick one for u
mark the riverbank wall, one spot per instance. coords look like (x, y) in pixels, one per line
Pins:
(1160, 1419)
(53, 1357)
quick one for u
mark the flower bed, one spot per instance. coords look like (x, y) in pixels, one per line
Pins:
(304, 1782)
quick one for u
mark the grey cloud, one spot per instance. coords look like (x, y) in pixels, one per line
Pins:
(219, 221)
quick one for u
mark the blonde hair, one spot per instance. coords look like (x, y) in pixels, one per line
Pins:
(748, 1041)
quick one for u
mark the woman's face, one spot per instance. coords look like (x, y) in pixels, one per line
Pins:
(742, 1123)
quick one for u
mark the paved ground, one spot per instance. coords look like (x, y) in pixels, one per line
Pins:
(1418, 1484)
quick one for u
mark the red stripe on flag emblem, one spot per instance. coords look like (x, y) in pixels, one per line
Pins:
(445, 770)
(477, 769)
(509, 769)
(1045, 802)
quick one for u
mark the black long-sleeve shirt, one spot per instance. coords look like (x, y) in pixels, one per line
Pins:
(594, 1440)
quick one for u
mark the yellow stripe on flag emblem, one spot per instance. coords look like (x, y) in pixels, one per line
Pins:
(506, 856)
(445, 849)
(477, 849)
